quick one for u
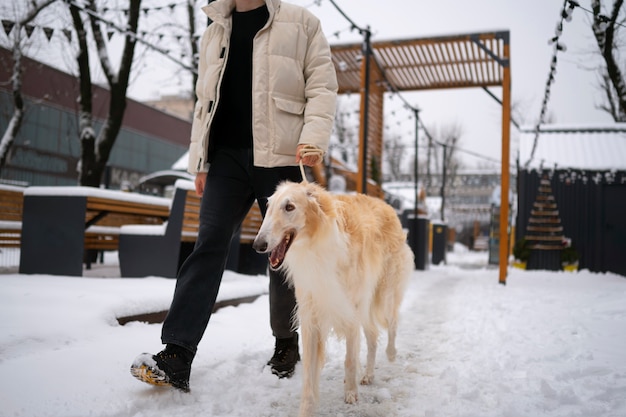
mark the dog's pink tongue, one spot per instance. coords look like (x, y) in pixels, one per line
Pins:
(278, 254)
(273, 260)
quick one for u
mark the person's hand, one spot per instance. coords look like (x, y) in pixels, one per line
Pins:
(200, 181)
(310, 160)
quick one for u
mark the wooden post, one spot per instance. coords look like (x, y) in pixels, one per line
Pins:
(371, 128)
(506, 142)
(364, 121)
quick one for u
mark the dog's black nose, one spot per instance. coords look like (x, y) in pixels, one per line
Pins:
(259, 246)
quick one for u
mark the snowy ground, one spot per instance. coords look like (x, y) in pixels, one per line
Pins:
(546, 344)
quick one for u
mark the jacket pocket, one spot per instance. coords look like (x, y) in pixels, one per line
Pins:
(289, 105)
(288, 123)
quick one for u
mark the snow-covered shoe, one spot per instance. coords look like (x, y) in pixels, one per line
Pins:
(170, 367)
(286, 355)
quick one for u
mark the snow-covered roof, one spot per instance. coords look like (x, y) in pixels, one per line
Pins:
(404, 193)
(181, 164)
(583, 146)
(165, 177)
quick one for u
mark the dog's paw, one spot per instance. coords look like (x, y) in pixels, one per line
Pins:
(367, 379)
(351, 397)
(391, 353)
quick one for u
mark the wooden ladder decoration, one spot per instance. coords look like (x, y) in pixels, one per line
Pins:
(544, 230)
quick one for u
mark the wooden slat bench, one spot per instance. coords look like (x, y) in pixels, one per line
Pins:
(11, 205)
(159, 251)
(251, 225)
(146, 250)
(104, 217)
(191, 217)
(249, 261)
(60, 223)
(104, 212)
(103, 236)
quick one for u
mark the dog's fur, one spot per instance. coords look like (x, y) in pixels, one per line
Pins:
(347, 258)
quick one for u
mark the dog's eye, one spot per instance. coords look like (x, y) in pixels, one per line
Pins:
(289, 207)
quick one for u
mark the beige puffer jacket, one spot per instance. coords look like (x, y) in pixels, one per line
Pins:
(294, 84)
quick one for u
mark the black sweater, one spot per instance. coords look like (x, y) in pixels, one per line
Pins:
(232, 125)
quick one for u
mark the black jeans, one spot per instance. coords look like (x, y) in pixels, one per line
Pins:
(233, 183)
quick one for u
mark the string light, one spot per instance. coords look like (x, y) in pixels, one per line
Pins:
(602, 18)
(315, 3)
(112, 28)
(566, 15)
(133, 35)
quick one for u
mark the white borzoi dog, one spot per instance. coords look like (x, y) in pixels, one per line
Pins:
(347, 258)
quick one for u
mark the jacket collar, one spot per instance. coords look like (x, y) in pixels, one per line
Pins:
(220, 10)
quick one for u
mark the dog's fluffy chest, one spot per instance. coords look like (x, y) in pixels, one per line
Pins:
(325, 290)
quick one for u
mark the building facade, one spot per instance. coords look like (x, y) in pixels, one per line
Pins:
(46, 150)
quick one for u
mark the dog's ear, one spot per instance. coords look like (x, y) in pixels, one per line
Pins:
(311, 190)
(314, 192)
(321, 199)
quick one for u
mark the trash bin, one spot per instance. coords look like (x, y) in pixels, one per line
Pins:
(418, 240)
(440, 237)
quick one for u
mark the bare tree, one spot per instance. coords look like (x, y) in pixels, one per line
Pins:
(345, 133)
(450, 136)
(184, 52)
(95, 149)
(448, 140)
(605, 29)
(393, 153)
(8, 138)
(88, 21)
(193, 45)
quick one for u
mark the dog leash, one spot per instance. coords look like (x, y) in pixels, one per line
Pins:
(308, 150)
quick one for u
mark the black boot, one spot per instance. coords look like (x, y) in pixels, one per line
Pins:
(286, 355)
(170, 367)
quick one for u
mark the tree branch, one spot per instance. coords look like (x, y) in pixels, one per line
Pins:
(604, 32)
(34, 11)
(98, 36)
(130, 42)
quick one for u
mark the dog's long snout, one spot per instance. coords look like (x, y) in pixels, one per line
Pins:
(259, 245)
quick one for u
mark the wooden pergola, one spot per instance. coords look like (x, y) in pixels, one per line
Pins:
(442, 62)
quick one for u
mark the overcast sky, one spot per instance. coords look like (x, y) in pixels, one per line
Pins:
(531, 23)
(574, 93)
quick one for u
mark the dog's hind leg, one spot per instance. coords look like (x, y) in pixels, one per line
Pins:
(401, 271)
(353, 339)
(371, 336)
(390, 308)
(391, 337)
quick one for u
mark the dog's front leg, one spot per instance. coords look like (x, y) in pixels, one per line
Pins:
(313, 344)
(353, 340)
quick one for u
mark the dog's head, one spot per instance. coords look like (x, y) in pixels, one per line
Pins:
(294, 211)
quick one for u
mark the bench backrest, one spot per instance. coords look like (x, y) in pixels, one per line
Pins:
(11, 207)
(191, 220)
(137, 213)
(251, 224)
(11, 203)
(191, 217)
